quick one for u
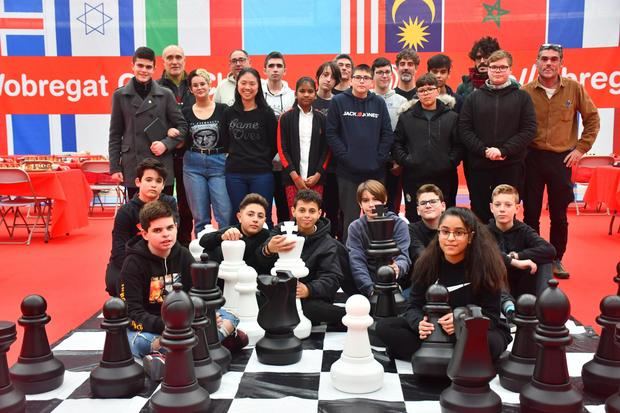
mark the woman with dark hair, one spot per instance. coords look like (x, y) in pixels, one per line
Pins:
(464, 258)
(249, 137)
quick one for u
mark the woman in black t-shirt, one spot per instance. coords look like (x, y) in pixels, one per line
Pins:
(205, 158)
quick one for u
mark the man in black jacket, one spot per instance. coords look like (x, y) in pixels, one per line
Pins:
(496, 125)
(320, 253)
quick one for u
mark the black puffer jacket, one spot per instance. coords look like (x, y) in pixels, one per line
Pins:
(500, 118)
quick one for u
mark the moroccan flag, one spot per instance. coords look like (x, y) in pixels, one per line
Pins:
(517, 24)
(413, 24)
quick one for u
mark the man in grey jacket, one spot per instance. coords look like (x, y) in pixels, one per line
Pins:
(145, 122)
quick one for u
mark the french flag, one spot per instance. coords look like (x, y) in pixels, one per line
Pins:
(583, 23)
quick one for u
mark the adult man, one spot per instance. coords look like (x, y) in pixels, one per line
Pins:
(145, 122)
(360, 136)
(479, 54)
(382, 75)
(496, 124)
(555, 149)
(440, 65)
(174, 78)
(407, 62)
(345, 65)
(280, 98)
(225, 92)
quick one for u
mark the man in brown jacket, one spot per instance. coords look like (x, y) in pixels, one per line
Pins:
(556, 148)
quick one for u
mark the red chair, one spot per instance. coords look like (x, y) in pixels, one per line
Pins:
(99, 171)
(582, 173)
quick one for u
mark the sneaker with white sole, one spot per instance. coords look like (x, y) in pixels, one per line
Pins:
(154, 365)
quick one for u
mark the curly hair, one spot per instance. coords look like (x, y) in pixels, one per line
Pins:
(485, 45)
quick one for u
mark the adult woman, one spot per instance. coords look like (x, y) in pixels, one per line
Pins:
(204, 161)
(464, 258)
(249, 132)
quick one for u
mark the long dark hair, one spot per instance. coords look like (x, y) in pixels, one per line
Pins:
(484, 267)
(261, 103)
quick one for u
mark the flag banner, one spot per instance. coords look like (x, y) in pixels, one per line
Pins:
(584, 23)
(414, 24)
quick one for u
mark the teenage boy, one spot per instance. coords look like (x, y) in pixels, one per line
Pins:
(407, 62)
(327, 77)
(440, 65)
(153, 264)
(145, 122)
(225, 92)
(363, 268)
(431, 205)
(345, 65)
(150, 179)
(528, 257)
(321, 254)
(360, 136)
(250, 229)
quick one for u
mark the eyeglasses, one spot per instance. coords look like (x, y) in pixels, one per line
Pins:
(383, 72)
(359, 78)
(498, 68)
(275, 65)
(427, 91)
(430, 201)
(550, 46)
(238, 60)
(481, 57)
(458, 234)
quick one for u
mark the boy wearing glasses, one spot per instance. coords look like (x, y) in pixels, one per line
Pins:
(430, 207)
(496, 125)
(426, 144)
(556, 147)
(225, 92)
(360, 136)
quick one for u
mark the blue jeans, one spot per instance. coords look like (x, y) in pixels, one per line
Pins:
(140, 342)
(205, 186)
(239, 185)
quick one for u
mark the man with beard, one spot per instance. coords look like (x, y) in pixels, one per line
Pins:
(479, 53)
(407, 62)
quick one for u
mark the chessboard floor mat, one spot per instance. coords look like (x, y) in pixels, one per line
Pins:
(303, 387)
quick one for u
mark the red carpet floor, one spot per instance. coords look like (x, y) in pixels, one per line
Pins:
(69, 273)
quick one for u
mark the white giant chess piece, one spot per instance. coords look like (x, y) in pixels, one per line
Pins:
(232, 251)
(291, 260)
(247, 308)
(194, 246)
(357, 371)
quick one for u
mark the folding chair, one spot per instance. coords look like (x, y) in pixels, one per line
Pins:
(103, 184)
(12, 202)
(583, 172)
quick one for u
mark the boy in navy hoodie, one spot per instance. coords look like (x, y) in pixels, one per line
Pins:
(360, 136)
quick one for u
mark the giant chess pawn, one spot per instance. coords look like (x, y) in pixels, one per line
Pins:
(11, 399)
(118, 375)
(433, 356)
(601, 375)
(204, 285)
(36, 370)
(179, 390)
(617, 277)
(208, 373)
(471, 368)
(385, 303)
(612, 404)
(278, 317)
(248, 307)
(232, 251)
(357, 371)
(194, 245)
(517, 366)
(550, 389)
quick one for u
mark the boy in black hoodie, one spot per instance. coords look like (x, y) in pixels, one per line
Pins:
(527, 256)
(321, 254)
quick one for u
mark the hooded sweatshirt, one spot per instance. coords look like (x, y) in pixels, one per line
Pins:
(225, 91)
(523, 240)
(394, 102)
(147, 278)
(360, 135)
(280, 101)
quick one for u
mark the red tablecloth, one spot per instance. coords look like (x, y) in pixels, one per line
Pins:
(604, 186)
(71, 194)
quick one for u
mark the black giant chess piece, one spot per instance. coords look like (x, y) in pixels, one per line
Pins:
(204, 285)
(471, 368)
(278, 317)
(601, 375)
(385, 304)
(617, 277)
(11, 399)
(118, 375)
(433, 356)
(382, 250)
(180, 391)
(208, 373)
(612, 404)
(36, 370)
(550, 389)
(517, 366)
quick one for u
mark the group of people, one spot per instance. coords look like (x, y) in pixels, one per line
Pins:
(332, 147)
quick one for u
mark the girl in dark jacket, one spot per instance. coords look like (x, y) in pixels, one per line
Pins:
(301, 143)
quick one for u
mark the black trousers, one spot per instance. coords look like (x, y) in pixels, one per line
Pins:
(279, 196)
(545, 168)
(401, 341)
(394, 188)
(331, 205)
(186, 220)
(411, 185)
(482, 182)
(320, 311)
